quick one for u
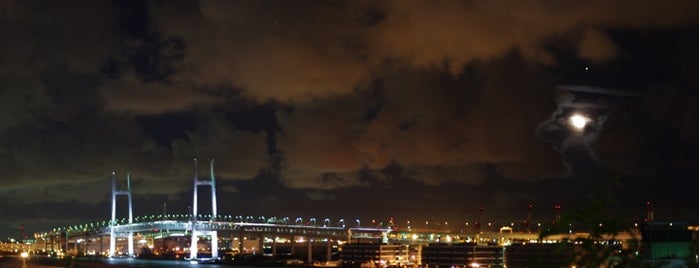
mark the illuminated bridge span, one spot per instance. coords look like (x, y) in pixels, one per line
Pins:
(207, 226)
(210, 227)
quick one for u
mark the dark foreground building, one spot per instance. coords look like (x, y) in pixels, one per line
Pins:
(462, 255)
(539, 255)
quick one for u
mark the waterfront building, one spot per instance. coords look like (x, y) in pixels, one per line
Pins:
(379, 255)
(663, 243)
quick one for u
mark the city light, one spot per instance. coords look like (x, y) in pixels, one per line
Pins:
(310, 231)
(24, 256)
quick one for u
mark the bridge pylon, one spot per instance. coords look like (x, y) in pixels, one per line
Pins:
(195, 233)
(112, 223)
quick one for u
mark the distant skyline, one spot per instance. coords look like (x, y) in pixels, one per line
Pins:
(417, 110)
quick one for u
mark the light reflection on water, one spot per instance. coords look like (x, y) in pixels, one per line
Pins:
(125, 262)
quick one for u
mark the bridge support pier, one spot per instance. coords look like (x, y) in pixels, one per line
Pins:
(193, 244)
(241, 242)
(261, 244)
(88, 242)
(112, 243)
(328, 250)
(292, 251)
(214, 245)
(130, 245)
(274, 247)
(194, 249)
(112, 223)
(310, 252)
(195, 207)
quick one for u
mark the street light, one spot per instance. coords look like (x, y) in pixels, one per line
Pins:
(358, 222)
(24, 256)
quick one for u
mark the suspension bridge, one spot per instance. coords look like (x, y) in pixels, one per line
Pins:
(209, 228)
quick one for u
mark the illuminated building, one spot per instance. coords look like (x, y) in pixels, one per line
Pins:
(379, 254)
(665, 241)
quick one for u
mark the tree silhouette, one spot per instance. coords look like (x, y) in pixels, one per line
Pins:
(601, 247)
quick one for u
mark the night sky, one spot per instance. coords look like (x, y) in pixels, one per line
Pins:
(417, 110)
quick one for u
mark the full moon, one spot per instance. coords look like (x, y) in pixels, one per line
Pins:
(578, 121)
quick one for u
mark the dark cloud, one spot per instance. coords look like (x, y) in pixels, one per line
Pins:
(653, 140)
(133, 95)
(321, 100)
(595, 46)
(439, 127)
(289, 51)
(230, 43)
(39, 46)
(460, 31)
(320, 137)
(73, 79)
(466, 121)
(653, 133)
(281, 51)
(624, 146)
